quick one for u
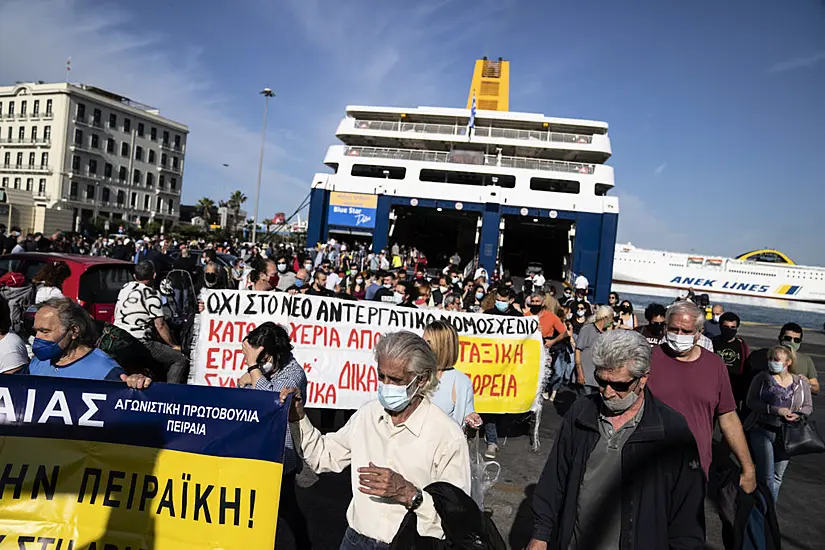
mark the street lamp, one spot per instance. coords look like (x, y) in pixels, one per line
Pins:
(267, 93)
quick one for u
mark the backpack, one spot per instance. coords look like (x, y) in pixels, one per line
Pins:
(128, 352)
(20, 296)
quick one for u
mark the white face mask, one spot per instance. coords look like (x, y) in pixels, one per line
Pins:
(680, 343)
(716, 318)
(397, 297)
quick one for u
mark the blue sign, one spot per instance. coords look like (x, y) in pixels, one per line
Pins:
(352, 210)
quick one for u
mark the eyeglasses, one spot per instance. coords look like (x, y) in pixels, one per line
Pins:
(617, 386)
(794, 339)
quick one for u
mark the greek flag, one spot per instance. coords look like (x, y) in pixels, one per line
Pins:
(472, 123)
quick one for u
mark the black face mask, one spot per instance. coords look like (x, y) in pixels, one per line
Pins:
(211, 279)
(728, 333)
(657, 328)
(535, 310)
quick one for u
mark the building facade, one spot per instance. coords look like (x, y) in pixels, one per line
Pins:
(75, 155)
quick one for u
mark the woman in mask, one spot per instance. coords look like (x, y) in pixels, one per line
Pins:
(775, 397)
(272, 367)
(359, 286)
(454, 395)
(580, 311)
(473, 298)
(212, 277)
(626, 319)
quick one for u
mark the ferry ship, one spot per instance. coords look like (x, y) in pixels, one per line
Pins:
(760, 273)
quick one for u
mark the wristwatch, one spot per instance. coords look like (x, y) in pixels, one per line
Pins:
(417, 500)
(253, 367)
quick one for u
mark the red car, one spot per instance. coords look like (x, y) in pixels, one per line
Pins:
(94, 283)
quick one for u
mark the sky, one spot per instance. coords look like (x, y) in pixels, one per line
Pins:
(716, 109)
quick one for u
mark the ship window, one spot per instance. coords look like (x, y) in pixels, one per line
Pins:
(602, 189)
(467, 178)
(556, 186)
(375, 171)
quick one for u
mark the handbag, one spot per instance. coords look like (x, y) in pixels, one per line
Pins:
(801, 438)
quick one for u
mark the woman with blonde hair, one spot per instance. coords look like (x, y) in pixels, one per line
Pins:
(454, 394)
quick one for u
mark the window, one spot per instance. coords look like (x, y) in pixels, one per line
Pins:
(35, 107)
(78, 137)
(29, 184)
(160, 204)
(177, 142)
(44, 159)
(153, 134)
(165, 134)
(146, 199)
(81, 111)
(104, 195)
(133, 200)
(92, 166)
(175, 162)
(73, 190)
(171, 206)
(48, 106)
(602, 189)
(95, 141)
(120, 197)
(467, 178)
(140, 131)
(1, 112)
(21, 133)
(110, 145)
(136, 177)
(150, 179)
(5, 180)
(90, 192)
(19, 159)
(96, 116)
(121, 174)
(555, 186)
(10, 132)
(7, 159)
(112, 120)
(17, 182)
(11, 108)
(127, 125)
(138, 153)
(161, 181)
(31, 159)
(34, 133)
(41, 187)
(23, 106)
(124, 149)
(107, 170)
(173, 183)
(151, 157)
(163, 159)
(47, 133)
(76, 162)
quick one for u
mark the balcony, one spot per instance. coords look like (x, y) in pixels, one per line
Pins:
(48, 115)
(86, 149)
(87, 175)
(89, 122)
(471, 157)
(169, 147)
(25, 142)
(167, 168)
(26, 168)
(34, 116)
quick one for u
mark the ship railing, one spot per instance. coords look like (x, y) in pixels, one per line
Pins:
(470, 157)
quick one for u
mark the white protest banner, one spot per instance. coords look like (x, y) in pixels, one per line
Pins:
(334, 339)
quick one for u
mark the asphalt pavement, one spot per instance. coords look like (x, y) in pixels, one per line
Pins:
(324, 498)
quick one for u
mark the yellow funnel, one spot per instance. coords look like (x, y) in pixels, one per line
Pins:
(491, 85)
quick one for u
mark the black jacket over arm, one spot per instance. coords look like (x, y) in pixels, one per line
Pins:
(661, 492)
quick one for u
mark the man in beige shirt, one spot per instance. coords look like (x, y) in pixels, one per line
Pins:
(396, 445)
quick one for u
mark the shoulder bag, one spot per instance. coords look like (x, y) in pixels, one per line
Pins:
(801, 438)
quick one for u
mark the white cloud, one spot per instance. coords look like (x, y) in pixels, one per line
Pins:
(111, 50)
(661, 168)
(797, 62)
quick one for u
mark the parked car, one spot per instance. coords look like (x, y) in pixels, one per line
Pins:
(94, 283)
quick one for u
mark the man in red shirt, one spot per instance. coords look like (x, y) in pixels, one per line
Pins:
(695, 382)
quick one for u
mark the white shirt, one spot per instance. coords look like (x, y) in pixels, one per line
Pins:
(17, 249)
(428, 447)
(581, 282)
(13, 353)
(46, 293)
(138, 305)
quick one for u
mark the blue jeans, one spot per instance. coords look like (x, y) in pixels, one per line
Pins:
(563, 369)
(490, 430)
(353, 540)
(770, 467)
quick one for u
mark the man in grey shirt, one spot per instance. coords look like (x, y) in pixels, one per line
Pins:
(589, 335)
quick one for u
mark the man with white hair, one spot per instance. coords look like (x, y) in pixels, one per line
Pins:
(624, 469)
(589, 335)
(397, 445)
(695, 382)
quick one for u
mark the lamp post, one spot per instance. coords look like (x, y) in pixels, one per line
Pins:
(267, 93)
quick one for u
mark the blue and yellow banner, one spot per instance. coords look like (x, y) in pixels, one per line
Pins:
(88, 465)
(352, 209)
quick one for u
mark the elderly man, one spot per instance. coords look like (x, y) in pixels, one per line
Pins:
(623, 472)
(64, 346)
(397, 445)
(695, 382)
(589, 335)
(713, 326)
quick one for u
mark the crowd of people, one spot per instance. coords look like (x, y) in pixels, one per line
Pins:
(633, 454)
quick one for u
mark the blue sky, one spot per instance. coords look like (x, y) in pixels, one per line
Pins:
(716, 109)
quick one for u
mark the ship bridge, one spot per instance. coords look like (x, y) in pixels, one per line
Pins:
(509, 188)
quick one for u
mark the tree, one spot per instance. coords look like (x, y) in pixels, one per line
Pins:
(206, 205)
(236, 199)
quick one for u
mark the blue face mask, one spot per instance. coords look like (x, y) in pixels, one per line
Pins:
(502, 306)
(46, 350)
(776, 367)
(299, 283)
(395, 398)
(479, 295)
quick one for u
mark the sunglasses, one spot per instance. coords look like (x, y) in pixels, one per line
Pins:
(617, 386)
(794, 339)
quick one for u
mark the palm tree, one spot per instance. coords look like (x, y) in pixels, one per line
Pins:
(236, 199)
(206, 205)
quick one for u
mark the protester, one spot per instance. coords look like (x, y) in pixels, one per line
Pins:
(580, 311)
(790, 336)
(272, 367)
(713, 325)
(49, 281)
(454, 394)
(626, 318)
(622, 472)
(212, 279)
(654, 330)
(452, 302)
(64, 347)
(587, 338)
(695, 383)
(734, 352)
(13, 354)
(472, 301)
(396, 446)
(359, 289)
(139, 311)
(775, 397)
(386, 293)
(504, 299)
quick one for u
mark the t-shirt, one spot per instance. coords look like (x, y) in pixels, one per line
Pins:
(712, 329)
(652, 339)
(92, 366)
(549, 323)
(804, 365)
(138, 305)
(699, 390)
(588, 336)
(735, 355)
(385, 295)
(13, 353)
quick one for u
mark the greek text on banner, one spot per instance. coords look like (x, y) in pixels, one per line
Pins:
(95, 465)
(333, 339)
